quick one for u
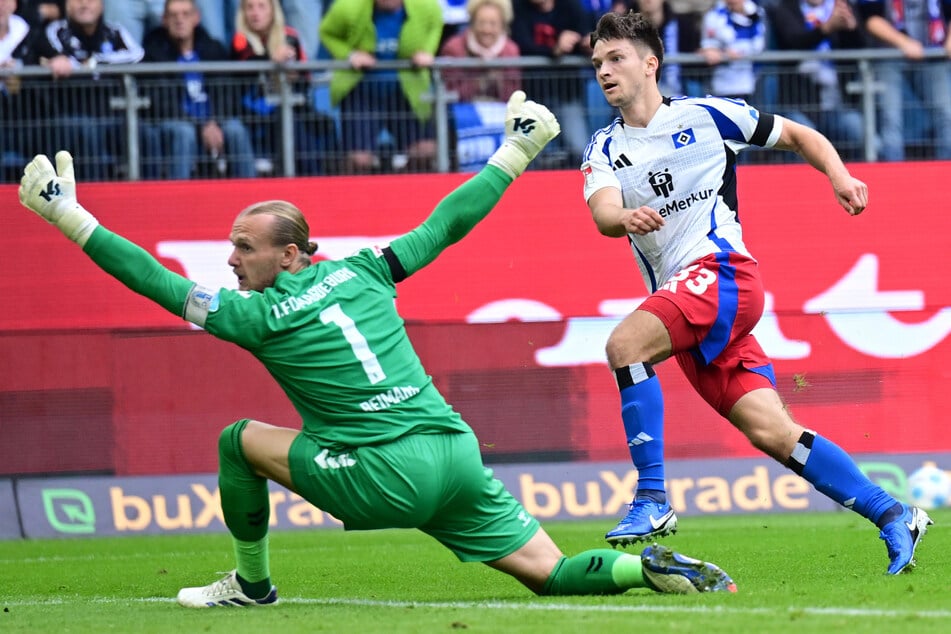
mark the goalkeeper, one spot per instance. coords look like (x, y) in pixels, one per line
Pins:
(379, 447)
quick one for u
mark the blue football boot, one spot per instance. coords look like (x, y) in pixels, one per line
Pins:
(645, 520)
(902, 536)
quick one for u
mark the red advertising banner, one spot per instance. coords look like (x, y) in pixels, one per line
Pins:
(511, 322)
(537, 256)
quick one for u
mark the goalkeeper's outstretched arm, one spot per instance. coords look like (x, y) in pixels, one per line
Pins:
(529, 126)
(51, 194)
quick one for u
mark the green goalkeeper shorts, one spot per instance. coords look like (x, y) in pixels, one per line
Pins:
(434, 482)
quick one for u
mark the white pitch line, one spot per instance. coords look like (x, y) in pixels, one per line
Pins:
(540, 606)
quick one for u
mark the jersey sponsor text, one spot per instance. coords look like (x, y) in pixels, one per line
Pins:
(314, 294)
(682, 204)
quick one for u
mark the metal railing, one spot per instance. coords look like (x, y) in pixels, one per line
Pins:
(117, 104)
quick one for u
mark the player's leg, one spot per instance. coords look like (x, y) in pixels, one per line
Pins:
(762, 416)
(541, 567)
(249, 453)
(638, 341)
(479, 520)
(695, 314)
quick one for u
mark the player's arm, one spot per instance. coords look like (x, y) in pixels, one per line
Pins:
(453, 218)
(529, 127)
(614, 220)
(52, 196)
(819, 152)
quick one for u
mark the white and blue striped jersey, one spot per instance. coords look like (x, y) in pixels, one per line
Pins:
(683, 164)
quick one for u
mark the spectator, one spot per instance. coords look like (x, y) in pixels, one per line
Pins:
(137, 16)
(81, 114)
(911, 27)
(189, 110)
(14, 40)
(372, 101)
(262, 34)
(218, 17)
(39, 13)
(552, 28)
(477, 117)
(596, 8)
(455, 17)
(813, 92)
(733, 30)
(680, 33)
(486, 38)
(304, 16)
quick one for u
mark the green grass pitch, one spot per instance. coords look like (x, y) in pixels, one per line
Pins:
(810, 573)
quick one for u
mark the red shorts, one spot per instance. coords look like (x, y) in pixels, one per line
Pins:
(709, 309)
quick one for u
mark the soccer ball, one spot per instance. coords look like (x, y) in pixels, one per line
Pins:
(929, 487)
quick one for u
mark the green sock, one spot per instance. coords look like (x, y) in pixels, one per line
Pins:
(599, 571)
(254, 572)
(246, 507)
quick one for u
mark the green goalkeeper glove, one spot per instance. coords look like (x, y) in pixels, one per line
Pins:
(529, 126)
(53, 197)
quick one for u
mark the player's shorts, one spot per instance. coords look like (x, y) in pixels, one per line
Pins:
(434, 482)
(710, 308)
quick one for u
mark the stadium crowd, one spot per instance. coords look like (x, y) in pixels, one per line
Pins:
(370, 117)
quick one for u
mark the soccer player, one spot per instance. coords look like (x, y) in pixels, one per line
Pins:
(380, 447)
(663, 174)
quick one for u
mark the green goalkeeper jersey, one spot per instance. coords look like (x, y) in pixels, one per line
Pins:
(331, 337)
(330, 334)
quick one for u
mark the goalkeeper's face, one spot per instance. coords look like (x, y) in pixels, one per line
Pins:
(255, 259)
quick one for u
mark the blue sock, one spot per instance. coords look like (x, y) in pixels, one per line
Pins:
(642, 410)
(835, 474)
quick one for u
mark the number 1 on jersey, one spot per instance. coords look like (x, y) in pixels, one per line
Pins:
(358, 343)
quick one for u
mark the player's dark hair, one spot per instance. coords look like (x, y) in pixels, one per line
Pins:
(635, 27)
(290, 226)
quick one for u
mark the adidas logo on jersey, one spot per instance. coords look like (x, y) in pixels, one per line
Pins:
(622, 161)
